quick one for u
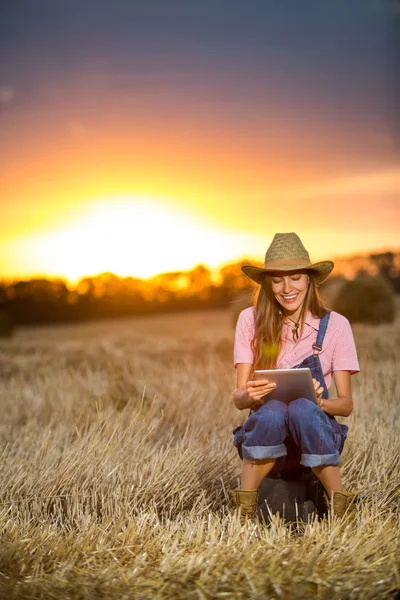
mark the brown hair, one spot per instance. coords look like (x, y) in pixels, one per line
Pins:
(269, 319)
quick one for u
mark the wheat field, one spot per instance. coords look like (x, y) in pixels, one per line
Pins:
(116, 457)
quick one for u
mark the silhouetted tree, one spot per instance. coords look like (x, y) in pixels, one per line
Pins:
(385, 262)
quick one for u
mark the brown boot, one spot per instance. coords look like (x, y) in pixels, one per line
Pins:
(246, 501)
(342, 502)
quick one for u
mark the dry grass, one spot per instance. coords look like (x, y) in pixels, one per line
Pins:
(116, 454)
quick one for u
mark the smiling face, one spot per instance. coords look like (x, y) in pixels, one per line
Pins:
(290, 289)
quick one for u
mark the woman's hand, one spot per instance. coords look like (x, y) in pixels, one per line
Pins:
(258, 389)
(319, 390)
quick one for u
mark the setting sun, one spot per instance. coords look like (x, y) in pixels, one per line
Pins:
(128, 235)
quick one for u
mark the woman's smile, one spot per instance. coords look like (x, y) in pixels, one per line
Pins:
(289, 299)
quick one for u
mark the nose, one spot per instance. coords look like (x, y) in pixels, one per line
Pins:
(286, 285)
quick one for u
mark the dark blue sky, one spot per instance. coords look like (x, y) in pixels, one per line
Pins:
(338, 58)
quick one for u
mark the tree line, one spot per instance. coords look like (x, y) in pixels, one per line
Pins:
(41, 301)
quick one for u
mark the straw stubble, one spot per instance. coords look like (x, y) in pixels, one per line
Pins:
(116, 460)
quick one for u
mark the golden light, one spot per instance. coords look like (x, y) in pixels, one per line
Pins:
(129, 236)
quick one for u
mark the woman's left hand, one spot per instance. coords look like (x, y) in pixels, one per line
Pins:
(319, 390)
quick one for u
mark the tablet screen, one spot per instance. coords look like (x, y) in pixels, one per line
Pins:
(291, 384)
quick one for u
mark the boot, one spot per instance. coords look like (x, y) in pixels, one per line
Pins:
(246, 501)
(342, 502)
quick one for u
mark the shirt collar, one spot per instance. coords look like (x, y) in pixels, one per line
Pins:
(312, 321)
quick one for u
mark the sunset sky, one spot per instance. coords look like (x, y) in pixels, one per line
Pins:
(141, 136)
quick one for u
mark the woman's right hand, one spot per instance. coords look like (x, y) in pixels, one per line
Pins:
(258, 389)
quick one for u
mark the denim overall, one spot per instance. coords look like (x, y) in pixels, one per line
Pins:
(299, 435)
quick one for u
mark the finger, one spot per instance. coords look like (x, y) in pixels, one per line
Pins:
(255, 384)
(257, 397)
(266, 388)
(260, 393)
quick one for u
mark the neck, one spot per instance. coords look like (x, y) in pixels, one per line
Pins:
(294, 314)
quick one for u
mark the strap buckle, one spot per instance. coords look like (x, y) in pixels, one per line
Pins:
(317, 346)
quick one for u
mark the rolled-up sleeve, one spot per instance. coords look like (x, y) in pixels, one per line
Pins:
(242, 351)
(344, 357)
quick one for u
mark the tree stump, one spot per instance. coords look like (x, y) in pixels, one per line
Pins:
(297, 498)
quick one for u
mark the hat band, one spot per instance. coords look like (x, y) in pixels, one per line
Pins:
(280, 262)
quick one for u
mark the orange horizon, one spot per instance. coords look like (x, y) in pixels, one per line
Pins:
(71, 284)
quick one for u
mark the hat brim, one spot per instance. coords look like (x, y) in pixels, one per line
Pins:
(321, 269)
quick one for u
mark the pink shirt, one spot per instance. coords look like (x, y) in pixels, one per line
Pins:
(338, 349)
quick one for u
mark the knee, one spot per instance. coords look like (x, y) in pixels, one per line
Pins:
(271, 415)
(300, 410)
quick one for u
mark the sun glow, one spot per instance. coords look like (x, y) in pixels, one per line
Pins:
(129, 236)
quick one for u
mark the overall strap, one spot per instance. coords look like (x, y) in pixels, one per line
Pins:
(323, 324)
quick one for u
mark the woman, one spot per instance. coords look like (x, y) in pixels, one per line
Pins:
(290, 327)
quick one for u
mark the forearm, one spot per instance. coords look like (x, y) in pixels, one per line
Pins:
(242, 399)
(337, 407)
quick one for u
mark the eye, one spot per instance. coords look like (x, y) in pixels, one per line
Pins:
(276, 280)
(296, 277)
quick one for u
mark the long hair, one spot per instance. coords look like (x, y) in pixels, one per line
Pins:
(269, 319)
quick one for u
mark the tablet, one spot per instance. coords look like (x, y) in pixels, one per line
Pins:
(290, 384)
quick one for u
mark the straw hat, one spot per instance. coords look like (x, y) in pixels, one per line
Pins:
(287, 253)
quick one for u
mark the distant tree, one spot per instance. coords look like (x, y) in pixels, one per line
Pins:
(387, 265)
(384, 262)
(199, 280)
(233, 280)
(87, 286)
(173, 281)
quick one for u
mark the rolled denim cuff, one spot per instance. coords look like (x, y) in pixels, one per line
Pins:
(260, 452)
(317, 460)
